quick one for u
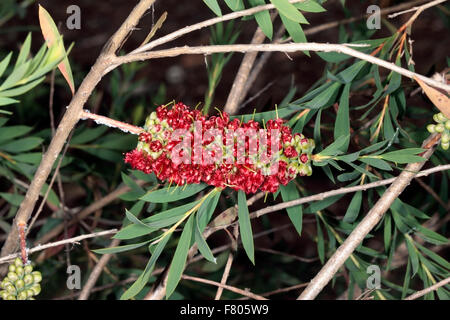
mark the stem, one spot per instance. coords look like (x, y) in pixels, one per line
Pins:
(125, 127)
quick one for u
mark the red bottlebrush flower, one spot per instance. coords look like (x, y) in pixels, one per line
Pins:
(290, 152)
(304, 158)
(156, 146)
(145, 137)
(244, 164)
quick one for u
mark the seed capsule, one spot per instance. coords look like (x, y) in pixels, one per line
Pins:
(445, 146)
(12, 268)
(11, 297)
(447, 124)
(431, 128)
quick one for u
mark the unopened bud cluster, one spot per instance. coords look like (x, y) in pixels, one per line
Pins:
(160, 142)
(442, 127)
(21, 283)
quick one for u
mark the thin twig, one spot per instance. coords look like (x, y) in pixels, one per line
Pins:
(225, 286)
(434, 287)
(225, 275)
(419, 8)
(289, 47)
(367, 224)
(235, 96)
(39, 247)
(93, 277)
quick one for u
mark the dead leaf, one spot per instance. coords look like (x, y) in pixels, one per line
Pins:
(52, 37)
(440, 100)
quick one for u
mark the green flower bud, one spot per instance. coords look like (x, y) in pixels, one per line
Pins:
(441, 117)
(12, 276)
(36, 289)
(29, 279)
(18, 262)
(11, 289)
(30, 293)
(11, 297)
(12, 268)
(436, 117)
(440, 128)
(445, 146)
(20, 272)
(28, 269)
(37, 276)
(431, 128)
(20, 284)
(4, 294)
(22, 296)
(445, 137)
(447, 124)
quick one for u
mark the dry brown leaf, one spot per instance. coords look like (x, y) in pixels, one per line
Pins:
(440, 100)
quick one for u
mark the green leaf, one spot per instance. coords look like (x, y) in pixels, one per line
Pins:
(387, 231)
(309, 6)
(5, 62)
(22, 89)
(174, 193)
(214, 6)
(5, 101)
(24, 51)
(295, 31)
(202, 244)
(347, 75)
(326, 97)
(412, 256)
(84, 135)
(342, 124)
(235, 5)
(21, 145)
(245, 227)
(13, 198)
(320, 242)
(263, 18)
(354, 208)
(135, 220)
(180, 256)
(157, 221)
(206, 210)
(11, 132)
(403, 156)
(118, 249)
(377, 163)
(336, 147)
(140, 283)
(288, 193)
(287, 9)
(15, 77)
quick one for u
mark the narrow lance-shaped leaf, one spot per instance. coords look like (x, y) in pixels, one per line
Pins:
(245, 227)
(51, 36)
(180, 256)
(289, 193)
